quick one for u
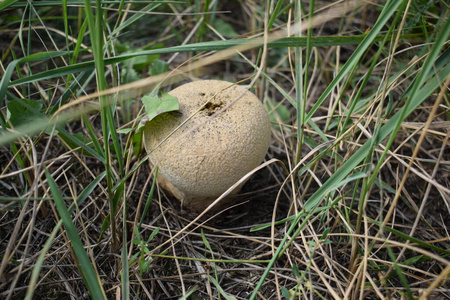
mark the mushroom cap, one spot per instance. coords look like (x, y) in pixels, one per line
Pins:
(226, 134)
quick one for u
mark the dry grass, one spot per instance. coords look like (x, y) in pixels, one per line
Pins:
(386, 239)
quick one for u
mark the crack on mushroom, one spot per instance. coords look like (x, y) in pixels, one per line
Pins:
(212, 107)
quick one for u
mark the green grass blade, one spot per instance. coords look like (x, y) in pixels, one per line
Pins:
(148, 8)
(70, 91)
(388, 11)
(117, 142)
(40, 261)
(188, 294)
(7, 3)
(399, 271)
(433, 82)
(359, 155)
(76, 52)
(299, 87)
(90, 277)
(205, 46)
(59, 72)
(419, 80)
(66, 23)
(275, 13)
(352, 163)
(96, 26)
(4, 82)
(208, 246)
(94, 137)
(406, 237)
(149, 199)
(81, 3)
(220, 289)
(385, 131)
(72, 139)
(125, 274)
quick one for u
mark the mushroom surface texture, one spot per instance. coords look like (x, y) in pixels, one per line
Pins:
(220, 133)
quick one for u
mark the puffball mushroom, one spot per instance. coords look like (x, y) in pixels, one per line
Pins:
(220, 133)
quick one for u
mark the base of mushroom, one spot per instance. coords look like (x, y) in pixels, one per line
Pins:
(196, 203)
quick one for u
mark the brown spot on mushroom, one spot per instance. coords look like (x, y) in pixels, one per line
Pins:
(212, 107)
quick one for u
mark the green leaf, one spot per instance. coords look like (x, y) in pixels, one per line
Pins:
(125, 130)
(325, 233)
(129, 75)
(296, 271)
(278, 112)
(285, 292)
(137, 239)
(225, 28)
(205, 241)
(145, 265)
(158, 67)
(141, 62)
(23, 111)
(153, 234)
(135, 256)
(412, 260)
(155, 106)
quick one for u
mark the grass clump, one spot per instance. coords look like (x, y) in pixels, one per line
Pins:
(351, 202)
